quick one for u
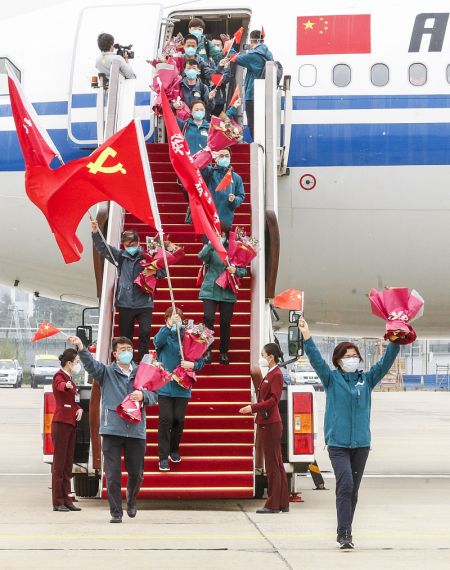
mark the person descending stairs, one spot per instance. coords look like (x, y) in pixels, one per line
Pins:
(217, 446)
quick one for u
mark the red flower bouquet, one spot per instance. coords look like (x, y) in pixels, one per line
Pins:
(152, 376)
(154, 260)
(242, 249)
(398, 306)
(223, 132)
(196, 340)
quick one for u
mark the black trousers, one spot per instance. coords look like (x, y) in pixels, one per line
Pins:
(226, 314)
(127, 317)
(250, 112)
(172, 412)
(134, 452)
(348, 466)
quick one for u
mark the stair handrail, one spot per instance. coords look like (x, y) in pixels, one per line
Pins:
(285, 141)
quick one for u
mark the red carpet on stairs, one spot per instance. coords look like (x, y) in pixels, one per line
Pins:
(217, 444)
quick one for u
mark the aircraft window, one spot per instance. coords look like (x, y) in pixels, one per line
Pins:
(379, 74)
(4, 77)
(417, 74)
(342, 75)
(307, 75)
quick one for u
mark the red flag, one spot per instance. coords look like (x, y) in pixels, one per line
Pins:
(291, 299)
(238, 35)
(216, 79)
(227, 46)
(235, 97)
(333, 34)
(263, 33)
(118, 170)
(234, 57)
(226, 180)
(37, 146)
(203, 211)
(45, 330)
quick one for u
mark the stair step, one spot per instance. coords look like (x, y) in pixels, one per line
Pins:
(210, 422)
(179, 207)
(198, 463)
(212, 436)
(191, 493)
(215, 449)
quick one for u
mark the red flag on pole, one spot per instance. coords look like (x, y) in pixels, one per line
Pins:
(37, 146)
(318, 35)
(263, 33)
(44, 331)
(291, 299)
(226, 180)
(234, 57)
(203, 211)
(235, 97)
(238, 35)
(216, 79)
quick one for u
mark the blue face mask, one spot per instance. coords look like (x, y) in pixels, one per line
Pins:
(125, 357)
(223, 162)
(224, 239)
(191, 73)
(190, 51)
(132, 249)
(197, 33)
(198, 115)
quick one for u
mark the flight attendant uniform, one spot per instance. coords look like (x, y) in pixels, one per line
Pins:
(64, 437)
(269, 419)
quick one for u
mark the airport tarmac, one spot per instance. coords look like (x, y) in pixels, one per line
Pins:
(402, 521)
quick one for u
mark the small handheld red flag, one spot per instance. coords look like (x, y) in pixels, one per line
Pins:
(226, 180)
(216, 79)
(238, 35)
(291, 299)
(263, 33)
(234, 57)
(45, 330)
(235, 97)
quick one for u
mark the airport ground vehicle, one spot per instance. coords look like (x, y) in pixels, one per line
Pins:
(11, 373)
(44, 368)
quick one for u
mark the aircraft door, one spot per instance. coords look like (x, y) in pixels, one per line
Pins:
(137, 24)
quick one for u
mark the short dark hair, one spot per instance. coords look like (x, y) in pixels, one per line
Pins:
(190, 37)
(196, 23)
(195, 101)
(120, 340)
(68, 355)
(130, 235)
(272, 349)
(169, 312)
(256, 35)
(190, 61)
(105, 42)
(218, 38)
(340, 351)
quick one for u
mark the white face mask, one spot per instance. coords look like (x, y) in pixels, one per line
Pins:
(262, 362)
(350, 364)
(76, 368)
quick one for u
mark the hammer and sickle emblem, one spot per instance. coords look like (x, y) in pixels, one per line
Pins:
(97, 166)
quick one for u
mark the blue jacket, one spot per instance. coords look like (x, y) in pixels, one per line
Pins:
(196, 92)
(206, 50)
(225, 209)
(220, 97)
(349, 397)
(168, 351)
(114, 386)
(254, 61)
(128, 295)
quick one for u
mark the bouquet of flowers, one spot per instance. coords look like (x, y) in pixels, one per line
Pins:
(242, 249)
(154, 260)
(223, 132)
(196, 341)
(174, 47)
(398, 306)
(168, 78)
(152, 376)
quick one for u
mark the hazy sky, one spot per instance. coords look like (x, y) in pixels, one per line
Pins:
(20, 6)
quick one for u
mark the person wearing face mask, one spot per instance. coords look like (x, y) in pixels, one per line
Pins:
(227, 201)
(193, 88)
(119, 437)
(270, 427)
(347, 419)
(214, 297)
(132, 303)
(67, 413)
(190, 52)
(172, 398)
(206, 49)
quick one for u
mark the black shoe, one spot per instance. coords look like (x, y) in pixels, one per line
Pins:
(72, 507)
(345, 541)
(284, 510)
(164, 465)
(208, 357)
(116, 519)
(131, 510)
(223, 358)
(174, 456)
(265, 510)
(61, 509)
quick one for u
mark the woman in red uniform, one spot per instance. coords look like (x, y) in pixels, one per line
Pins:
(269, 419)
(67, 414)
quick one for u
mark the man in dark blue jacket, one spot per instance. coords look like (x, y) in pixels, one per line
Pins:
(132, 303)
(255, 62)
(119, 436)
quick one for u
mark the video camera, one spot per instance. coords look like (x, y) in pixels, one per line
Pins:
(124, 51)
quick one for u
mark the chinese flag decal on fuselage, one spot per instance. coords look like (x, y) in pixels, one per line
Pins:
(320, 35)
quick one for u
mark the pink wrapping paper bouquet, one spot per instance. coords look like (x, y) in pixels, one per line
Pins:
(242, 249)
(398, 306)
(196, 341)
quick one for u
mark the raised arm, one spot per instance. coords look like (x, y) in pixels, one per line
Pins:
(382, 367)
(322, 369)
(101, 247)
(92, 367)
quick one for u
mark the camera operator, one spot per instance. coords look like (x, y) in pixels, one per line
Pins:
(103, 63)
